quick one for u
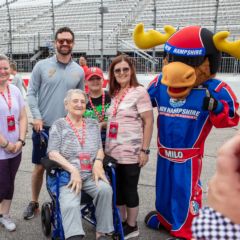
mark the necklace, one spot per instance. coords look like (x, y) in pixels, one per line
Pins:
(100, 117)
(117, 101)
(8, 100)
(81, 139)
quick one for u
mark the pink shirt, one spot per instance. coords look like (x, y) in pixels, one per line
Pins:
(17, 105)
(126, 147)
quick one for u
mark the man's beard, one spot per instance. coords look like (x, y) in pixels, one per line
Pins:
(64, 52)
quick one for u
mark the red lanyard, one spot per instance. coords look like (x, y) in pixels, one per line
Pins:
(118, 101)
(100, 117)
(80, 139)
(9, 100)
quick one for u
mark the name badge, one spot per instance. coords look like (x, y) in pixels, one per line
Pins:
(113, 130)
(11, 123)
(85, 162)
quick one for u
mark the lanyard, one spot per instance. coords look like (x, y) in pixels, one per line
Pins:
(100, 117)
(9, 99)
(81, 140)
(118, 101)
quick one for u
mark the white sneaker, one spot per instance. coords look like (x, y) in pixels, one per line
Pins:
(7, 222)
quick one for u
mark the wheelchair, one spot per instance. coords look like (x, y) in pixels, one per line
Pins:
(50, 211)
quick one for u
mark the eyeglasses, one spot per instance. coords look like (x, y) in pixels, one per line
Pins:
(191, 61)
(68, 41)
(120, 70)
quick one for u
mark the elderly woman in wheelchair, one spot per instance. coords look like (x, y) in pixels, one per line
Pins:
(75, 144)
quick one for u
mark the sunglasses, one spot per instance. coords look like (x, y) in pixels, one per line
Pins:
(120, 70)
(68, 41)
(191, 61)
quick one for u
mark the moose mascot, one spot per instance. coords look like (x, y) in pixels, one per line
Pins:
(190, 102)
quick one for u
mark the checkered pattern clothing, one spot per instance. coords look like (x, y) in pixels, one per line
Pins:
(212, 225)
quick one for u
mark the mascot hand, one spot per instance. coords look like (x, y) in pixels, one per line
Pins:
(210, 103)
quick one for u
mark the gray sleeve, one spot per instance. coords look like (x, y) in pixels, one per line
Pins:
(33, 90)
(54, 141)
(81, 84)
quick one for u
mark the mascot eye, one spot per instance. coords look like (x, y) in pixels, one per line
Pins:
(191, 61)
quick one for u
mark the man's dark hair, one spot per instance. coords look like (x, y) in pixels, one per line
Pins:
(64, 29)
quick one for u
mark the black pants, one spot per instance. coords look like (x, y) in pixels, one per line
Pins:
(8, 170)
(127, 183)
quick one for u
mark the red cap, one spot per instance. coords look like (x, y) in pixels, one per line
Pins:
(93, 71)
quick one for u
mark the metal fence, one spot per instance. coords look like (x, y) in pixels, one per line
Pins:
(101, 25)
(228, 64)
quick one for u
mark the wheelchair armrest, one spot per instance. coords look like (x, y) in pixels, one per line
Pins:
(50, 165)
(109, 161)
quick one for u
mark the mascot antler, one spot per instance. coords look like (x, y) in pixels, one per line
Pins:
(151, 38)
(232, 48)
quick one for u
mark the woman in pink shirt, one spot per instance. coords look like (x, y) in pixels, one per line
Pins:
(129, 132)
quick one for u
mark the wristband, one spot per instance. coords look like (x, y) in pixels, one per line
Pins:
(5, 145)
(22, 141)
(99, 159)
(146, 151)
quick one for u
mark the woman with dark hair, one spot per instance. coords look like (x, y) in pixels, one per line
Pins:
(129, 133)
(115, 85)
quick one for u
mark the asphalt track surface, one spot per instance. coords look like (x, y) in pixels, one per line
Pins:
(31, 229)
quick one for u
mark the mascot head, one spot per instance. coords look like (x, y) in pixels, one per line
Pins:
(192, 55)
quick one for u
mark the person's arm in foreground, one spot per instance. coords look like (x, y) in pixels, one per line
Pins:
(224, 187)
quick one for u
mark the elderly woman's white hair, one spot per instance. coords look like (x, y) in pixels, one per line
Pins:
(71, 92)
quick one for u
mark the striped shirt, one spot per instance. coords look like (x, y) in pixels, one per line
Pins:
(63, 140)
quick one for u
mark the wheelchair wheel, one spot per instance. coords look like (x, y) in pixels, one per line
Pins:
(46, 218)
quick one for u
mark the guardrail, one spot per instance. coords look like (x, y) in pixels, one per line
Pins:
(228, 64)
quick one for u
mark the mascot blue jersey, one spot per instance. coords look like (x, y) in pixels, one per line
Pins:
(182, 130)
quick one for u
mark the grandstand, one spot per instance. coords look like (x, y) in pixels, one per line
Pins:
(104, 27)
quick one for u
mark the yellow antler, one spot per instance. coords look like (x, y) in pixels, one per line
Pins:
(232, 48)
(151, 38)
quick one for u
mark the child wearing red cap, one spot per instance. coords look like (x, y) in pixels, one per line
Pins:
(99, 100)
